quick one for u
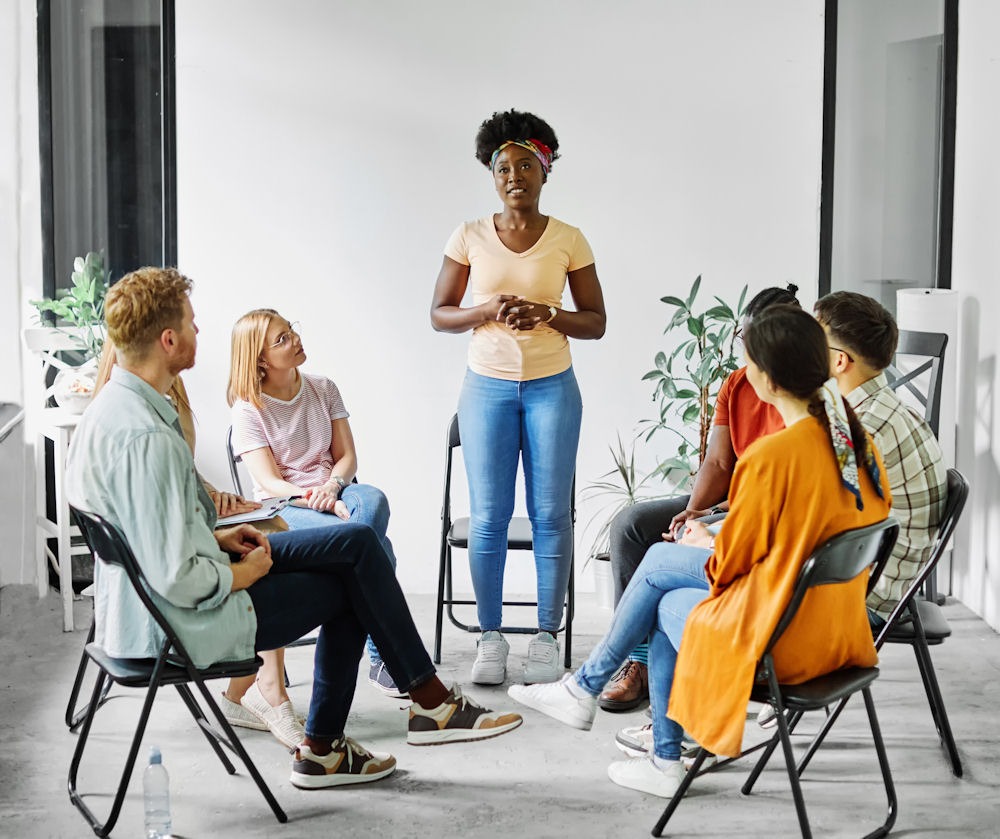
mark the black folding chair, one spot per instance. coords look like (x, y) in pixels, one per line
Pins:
(919, 623)
(172, 666)
(925, 390)
(75, 716)
(839, 560)
(455, 534)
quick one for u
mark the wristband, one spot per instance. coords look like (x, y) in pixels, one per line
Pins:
(553, 311)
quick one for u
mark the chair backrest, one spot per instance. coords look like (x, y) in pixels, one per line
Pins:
(929, 345)
(839, 560)
(958, 493)
(234, 461)
(108, 545)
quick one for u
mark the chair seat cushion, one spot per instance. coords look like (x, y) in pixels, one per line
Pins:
(821, 691)
(932, 618)
(136, 672)
(518, 534)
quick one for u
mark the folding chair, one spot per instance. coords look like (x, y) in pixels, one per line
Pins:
(455, 534)
(929, 346)
(919, 623)
(172, 666)
(839, 560)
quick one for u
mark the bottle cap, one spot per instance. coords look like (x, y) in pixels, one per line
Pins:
(154, 755)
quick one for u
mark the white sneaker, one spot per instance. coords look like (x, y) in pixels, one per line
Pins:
(635, 740)
(640, 773)
(555, 699)
(767, 717)
(543, 659)
(490, 666)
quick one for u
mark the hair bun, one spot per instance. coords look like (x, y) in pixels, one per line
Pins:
(791, 288)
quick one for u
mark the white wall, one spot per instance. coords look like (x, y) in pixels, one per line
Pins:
(325, 153)
(976, 276)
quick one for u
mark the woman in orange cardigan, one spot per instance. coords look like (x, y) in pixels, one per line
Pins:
(723, 595)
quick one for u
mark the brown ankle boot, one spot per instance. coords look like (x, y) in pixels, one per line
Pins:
(628, 689)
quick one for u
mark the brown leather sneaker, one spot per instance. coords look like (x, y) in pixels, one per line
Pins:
(628, 689)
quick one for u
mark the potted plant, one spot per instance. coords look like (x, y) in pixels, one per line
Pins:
(79, 315)
(688, 379)
(617, 489)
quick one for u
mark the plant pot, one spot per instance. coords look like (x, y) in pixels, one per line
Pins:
(74, 389)
(604, 581)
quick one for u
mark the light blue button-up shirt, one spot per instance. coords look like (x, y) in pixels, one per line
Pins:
(129, 464)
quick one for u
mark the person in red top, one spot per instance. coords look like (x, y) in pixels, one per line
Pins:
(739, 419)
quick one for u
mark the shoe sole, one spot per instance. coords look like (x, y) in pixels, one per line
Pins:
(555, 713)
(616, 706)
(648, 789)
(457, 735)
(488, 678)
(328, 781)
(255, 726)
(392, 694)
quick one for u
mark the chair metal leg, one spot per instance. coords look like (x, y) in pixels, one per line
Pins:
(439, 609)
(73, 716)
(831, 718)
(883, 762)
(570, 609)
(769, 748)
(105, 828)
(210, 733)
(784, 735)
(672, 805)
(233, 742)
(936, 702)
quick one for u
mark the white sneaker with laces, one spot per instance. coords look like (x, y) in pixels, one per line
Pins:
(635, 740)
(555, 699)
(490, 666)
(543, 659)
(640, 773)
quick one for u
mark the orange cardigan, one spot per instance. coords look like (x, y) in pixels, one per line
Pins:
(786, 499)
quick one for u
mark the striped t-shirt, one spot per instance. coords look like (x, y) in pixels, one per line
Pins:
(299, 431)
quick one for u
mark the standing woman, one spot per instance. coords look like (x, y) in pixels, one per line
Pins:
(520, 399)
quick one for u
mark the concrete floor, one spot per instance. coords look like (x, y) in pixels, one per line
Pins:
(542, 780)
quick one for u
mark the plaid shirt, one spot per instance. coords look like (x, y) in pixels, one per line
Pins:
(917, 479)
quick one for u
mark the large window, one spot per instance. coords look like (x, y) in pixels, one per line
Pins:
(888, 146)
(107, 117)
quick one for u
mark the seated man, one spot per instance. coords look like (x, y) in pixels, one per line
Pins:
(862, 336)
(739, 419)
(234, 591)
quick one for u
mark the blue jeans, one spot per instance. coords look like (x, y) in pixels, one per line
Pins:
(367, 505)
(669, 582)
(538, 423)
(339, 579)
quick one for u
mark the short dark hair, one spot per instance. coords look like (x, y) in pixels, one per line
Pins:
(859, 325)
(512, 125)
(770, 297)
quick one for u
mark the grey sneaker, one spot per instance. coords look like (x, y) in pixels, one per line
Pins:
(379, 678)
(457, 720)
(543, 660)
(635, 740)
(490, 666)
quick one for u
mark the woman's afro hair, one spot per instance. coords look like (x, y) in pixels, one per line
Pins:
(512, 125)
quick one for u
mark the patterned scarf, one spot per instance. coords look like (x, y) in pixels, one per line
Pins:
(843, 444)
(536, 147)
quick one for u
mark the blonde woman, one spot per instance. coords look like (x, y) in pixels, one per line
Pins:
(260, 702)
(292, 431)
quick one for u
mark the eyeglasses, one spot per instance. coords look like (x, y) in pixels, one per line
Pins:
(285, 338)
(845, 352)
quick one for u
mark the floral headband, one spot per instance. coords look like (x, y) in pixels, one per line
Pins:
(536, 147)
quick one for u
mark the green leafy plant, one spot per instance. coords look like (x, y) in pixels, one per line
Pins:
(686, 380)
(82, 305)
(618, 488)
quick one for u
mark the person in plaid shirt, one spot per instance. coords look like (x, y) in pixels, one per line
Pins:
(862, 336)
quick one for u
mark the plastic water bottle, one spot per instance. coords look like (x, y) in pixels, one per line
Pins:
(156, 796)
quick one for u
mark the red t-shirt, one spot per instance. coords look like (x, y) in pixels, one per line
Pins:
(747, 417)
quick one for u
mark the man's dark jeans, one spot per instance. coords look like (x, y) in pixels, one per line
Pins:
(339, 579)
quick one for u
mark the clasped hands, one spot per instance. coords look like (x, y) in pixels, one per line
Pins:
(326, 499)
(518, 313)
(251, 551)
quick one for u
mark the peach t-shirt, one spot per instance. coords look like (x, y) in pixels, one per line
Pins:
(539, 275)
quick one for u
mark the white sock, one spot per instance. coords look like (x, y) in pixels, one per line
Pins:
(574, 687)
(664, 763)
